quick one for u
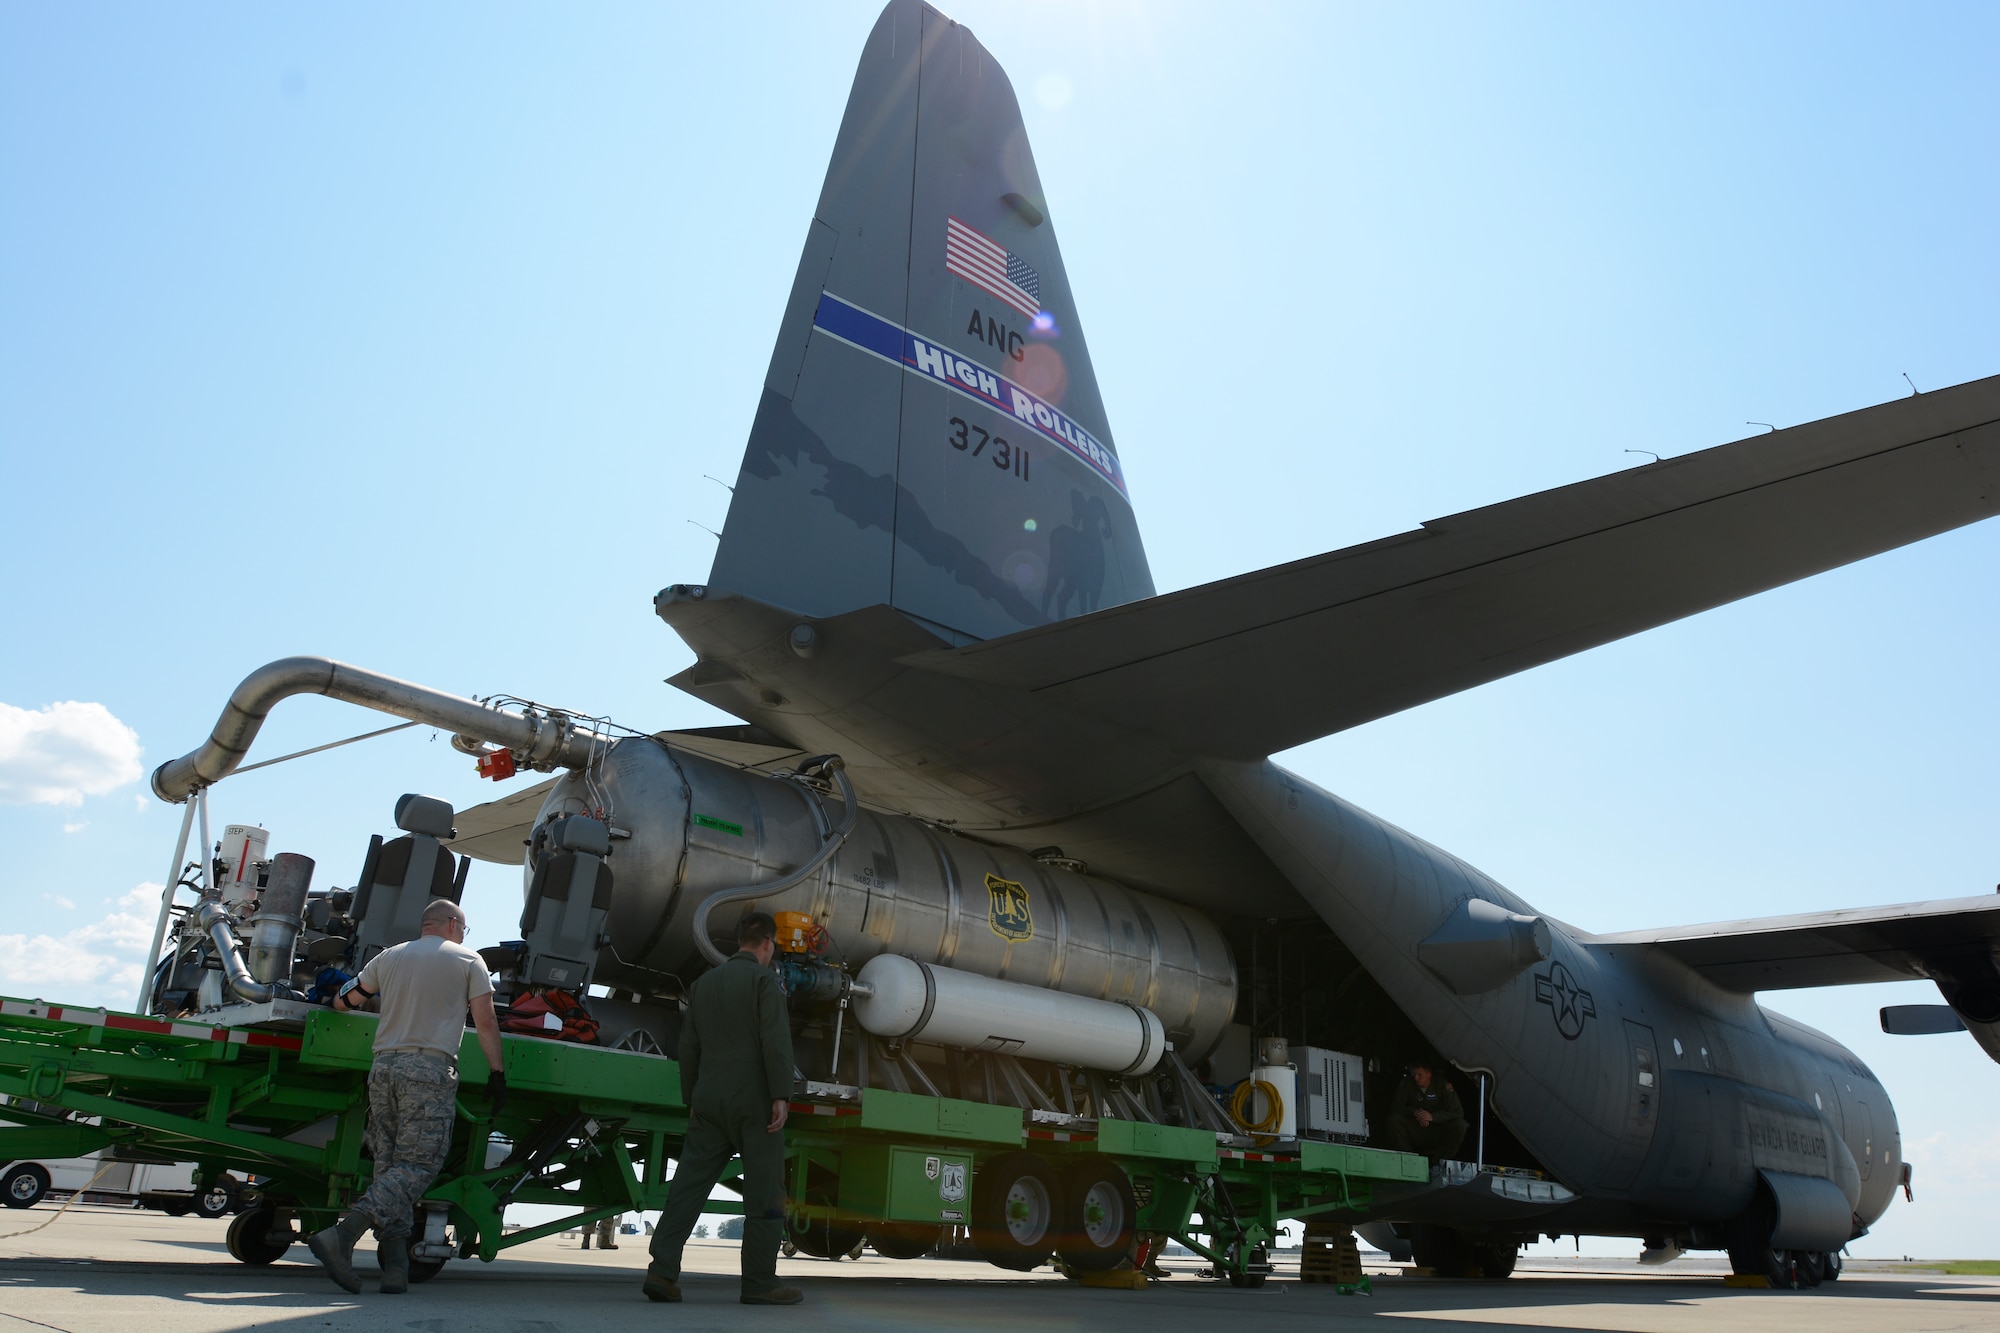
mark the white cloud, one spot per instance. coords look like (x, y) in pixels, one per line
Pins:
(77, 827)
(60, 901)
(62, 753)
(100, 963)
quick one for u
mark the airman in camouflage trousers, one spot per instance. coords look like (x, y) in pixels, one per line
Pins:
(425, 988)
(412, 1102)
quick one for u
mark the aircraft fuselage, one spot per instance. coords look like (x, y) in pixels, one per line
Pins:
(1656, 1095)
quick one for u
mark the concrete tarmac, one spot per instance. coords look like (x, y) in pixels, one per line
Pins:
(121, 1271)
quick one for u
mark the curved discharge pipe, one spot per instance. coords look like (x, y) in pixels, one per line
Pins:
(548, 740)
(699, 925)
(212, 917)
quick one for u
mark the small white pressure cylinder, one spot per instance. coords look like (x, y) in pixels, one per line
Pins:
(908, 1000)
(1285, 1079)
(244, 849)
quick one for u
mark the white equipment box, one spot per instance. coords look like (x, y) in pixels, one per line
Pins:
(1330, 1093)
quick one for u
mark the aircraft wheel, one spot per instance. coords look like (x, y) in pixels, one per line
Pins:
(1830, 1264)
(1774, 1266)
(1440, 1249)
(904, 1240)
(1750, 1252)
(1497, 1260)
(24, 1186)
(1099, 1215)
(1808, 1267)
(1016, 1204)
(255, 1238)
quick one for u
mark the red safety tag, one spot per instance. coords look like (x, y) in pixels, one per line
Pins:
(498, 765)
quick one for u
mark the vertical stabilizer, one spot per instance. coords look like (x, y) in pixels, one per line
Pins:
(930, 434)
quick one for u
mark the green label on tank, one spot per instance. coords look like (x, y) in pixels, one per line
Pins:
(722, 825)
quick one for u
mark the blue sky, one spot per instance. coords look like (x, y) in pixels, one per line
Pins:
(408, 335)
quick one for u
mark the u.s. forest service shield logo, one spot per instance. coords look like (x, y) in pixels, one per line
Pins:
(1007, 910)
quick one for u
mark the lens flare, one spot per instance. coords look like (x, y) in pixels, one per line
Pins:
(1043, 373)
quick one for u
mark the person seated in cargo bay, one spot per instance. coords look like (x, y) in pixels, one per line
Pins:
(1426, 1116)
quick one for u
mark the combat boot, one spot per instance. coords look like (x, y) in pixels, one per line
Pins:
(660, 1287)
(334, 1248)
(393, 1253)
(773, 1296)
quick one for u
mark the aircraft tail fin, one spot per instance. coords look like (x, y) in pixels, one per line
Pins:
(930, 434)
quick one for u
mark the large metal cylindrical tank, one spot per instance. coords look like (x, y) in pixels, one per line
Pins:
(684, 826)
(908, 1000)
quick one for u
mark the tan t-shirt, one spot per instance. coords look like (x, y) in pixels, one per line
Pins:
(425, 985)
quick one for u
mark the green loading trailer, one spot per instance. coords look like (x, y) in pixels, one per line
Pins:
(593, 1132)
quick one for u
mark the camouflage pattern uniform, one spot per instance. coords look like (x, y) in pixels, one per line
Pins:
(412, 1103)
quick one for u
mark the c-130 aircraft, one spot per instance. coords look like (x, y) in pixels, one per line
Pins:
(931, 568)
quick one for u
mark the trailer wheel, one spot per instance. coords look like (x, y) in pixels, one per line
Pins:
(1099, 1215)
(423, 1270)
(24, 1186)
(823, 1237)
(216, 1201)
(904, 1240)
(1258, 1257)
(1016, 1206)
(254, 1237)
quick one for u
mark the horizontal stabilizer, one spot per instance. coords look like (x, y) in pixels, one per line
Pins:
(498, 830)
(1255, 664)
(1951, 940)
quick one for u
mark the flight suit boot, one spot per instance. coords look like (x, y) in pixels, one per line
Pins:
(334, 1248)
(393, 1254)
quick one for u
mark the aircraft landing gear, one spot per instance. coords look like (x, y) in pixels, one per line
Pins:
(1450, 1253)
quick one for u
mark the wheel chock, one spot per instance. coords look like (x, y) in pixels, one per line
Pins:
(1757, 1280)
(1118, 1279)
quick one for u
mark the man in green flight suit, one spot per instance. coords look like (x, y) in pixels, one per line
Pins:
(736, 1077)
(1426, 1116)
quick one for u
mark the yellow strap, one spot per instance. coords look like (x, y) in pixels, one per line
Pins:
(104, 1165)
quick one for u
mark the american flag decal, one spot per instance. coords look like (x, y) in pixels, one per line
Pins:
(991, 267)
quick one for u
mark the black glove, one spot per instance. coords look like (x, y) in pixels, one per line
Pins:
(496, 1091)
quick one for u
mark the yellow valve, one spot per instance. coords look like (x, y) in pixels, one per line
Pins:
(795, 932)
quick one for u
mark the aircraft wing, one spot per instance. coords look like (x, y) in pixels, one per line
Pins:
(1952, 939)
(1255, 664)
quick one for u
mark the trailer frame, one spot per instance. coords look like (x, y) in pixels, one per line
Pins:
(593, 1131)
